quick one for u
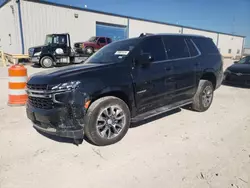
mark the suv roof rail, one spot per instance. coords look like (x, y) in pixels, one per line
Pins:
(145, 34)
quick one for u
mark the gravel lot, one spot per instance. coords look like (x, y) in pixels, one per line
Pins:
(178, 149)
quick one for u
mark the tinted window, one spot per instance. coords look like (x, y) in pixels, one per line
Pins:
(60, 39)
(176, 47)
(93, 39)
(115, 52)
(154, 47)
(109, 40)
(192, 49)
(245, 60)
(102, 40)
(206, 45)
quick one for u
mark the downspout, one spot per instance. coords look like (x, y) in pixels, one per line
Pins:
(218, 37)
(243, 44)
(128, 28)
(20, 24)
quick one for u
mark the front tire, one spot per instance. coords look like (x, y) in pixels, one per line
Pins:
(89, 50)
(47, 62)
(204, 96)
(107, 121)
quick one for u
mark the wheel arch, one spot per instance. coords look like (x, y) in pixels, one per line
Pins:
(115, 93)
(210, 76)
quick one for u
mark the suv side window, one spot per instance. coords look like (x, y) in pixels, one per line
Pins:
(176, 47)
(154, 47)
(192, 49)
(102, 40)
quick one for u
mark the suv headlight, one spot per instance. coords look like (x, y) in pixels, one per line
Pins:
(37, 54)
(31, 51)
(66, 86)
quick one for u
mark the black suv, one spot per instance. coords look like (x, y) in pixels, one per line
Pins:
(125, 81)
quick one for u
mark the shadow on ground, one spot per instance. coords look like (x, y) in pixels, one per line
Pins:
(63, 139)
(133, 125)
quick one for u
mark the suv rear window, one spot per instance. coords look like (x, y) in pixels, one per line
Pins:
(192, 49)
(176, 47)
(206, 45)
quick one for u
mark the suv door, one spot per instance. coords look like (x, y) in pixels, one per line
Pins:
(186, 66)
(60, 41)
(153, 82)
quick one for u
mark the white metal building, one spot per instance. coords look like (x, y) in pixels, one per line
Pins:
(24, 23)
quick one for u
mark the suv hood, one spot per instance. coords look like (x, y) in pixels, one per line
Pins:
(239, 68)
(64, 74)
(88, 43)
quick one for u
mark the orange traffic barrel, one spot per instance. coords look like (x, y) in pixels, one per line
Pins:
(17, 85)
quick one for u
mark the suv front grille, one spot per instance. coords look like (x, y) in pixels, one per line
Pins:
(38, 96)
(39, 87)
(44, 103)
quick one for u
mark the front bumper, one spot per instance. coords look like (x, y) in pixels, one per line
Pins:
(237, 79)
(34, 59)
(80, 50)
(57, 113)
(63, 122)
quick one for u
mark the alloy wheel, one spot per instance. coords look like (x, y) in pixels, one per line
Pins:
(110, 122)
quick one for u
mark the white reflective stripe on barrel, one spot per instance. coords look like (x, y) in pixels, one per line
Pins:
(17, 79)
(17, 92)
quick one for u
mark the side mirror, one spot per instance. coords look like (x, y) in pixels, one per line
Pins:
(235, 62)
(145, 59)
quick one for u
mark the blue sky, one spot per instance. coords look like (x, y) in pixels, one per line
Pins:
(229, 16)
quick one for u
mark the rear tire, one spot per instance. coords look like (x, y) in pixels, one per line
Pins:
(107, 121)
(47, 62)
(203, 97)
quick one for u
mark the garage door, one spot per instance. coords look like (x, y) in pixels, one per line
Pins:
(116, 32)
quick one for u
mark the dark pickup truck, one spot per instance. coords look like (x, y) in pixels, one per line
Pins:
(92, 45)
(127, 81)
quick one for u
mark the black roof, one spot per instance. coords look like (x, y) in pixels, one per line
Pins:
(171, 34)
(122, 16)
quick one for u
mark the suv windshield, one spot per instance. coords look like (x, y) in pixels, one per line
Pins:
(49, 39)
(114, 52)
(93, 39)
(245, 60)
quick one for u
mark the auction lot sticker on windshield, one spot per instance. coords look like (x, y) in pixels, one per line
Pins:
(121, 52)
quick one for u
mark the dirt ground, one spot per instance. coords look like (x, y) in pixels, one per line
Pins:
(179, 149)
